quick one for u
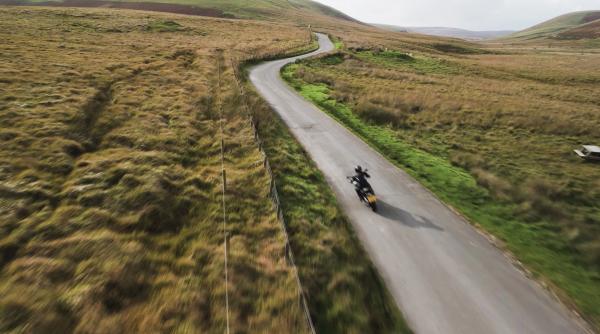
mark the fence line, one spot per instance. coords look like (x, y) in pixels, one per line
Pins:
(224, 189)
(275, 198)
(254, 55)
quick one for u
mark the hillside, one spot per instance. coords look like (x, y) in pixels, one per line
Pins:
(448, 32)
(321, 8)
(264, 8)
(559, 27)
(585, 31)
(253, 9)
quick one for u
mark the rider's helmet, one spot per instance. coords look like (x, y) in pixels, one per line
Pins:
(358, 169)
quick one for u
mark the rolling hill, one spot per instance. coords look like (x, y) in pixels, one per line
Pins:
(321, 8)
(251, 9)
(577, 25)
(588, 30)
(448, 32)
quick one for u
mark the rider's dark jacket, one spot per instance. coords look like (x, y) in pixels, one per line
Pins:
(362, 179)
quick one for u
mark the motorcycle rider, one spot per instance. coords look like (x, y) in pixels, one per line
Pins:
(361, 177)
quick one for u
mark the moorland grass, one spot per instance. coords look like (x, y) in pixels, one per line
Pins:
(110, 186)
(492, 138)
(110, 177)
(300, 11)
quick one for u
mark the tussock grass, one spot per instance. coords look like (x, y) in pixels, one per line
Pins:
(164, 26)
(110, 186)
(491, 134)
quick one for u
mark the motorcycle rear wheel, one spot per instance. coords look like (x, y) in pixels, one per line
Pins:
(374, 207)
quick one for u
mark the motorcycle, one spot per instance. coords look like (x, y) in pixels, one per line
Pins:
(366, 194)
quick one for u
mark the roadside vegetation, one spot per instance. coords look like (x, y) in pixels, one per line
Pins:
(491, 132)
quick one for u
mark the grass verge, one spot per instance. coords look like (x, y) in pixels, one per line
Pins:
(545, 253)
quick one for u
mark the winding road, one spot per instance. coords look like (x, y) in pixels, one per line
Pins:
(444, 275)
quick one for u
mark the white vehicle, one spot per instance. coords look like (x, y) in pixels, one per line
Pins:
(589, 153)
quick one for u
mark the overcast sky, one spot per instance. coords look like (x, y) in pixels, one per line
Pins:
(468, 14)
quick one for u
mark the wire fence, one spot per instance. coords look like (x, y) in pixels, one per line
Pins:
(254, 55)
(224, 189)
(274, 196)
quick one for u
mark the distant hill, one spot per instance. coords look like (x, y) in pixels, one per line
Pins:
(588, 30)
(323, 9)
(448, 32)
(577, 25)
(246, 9)
(269, 7)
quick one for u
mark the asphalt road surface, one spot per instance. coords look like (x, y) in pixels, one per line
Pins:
(444, 275)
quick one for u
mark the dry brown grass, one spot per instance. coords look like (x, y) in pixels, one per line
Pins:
(510, 115)
(110, 189)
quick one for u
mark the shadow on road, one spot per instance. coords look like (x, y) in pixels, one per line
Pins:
(404, 217)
